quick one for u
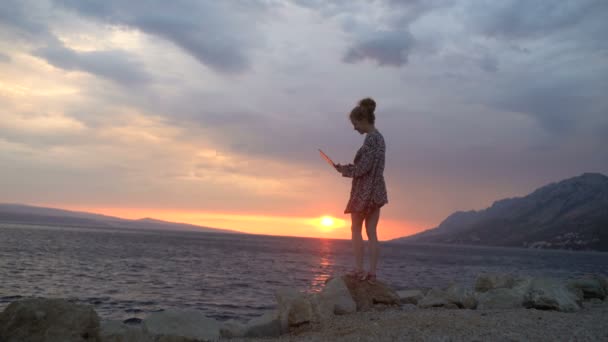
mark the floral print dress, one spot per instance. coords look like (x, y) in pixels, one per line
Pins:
(368, 190)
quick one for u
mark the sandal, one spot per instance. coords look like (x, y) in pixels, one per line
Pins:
(357, 274)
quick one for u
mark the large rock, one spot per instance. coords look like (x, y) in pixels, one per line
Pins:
(335, 298)
(185, 324)
(551, 294)
(366, 294)
(117, 331)
(48, 320)
(232, 329)
(501, 298)
(454, 297)
(592, 286)
(489, 281)
(267, 325)
(435, 298)
(461, 297)
(410, 296)
(295, 308)
(505, 297)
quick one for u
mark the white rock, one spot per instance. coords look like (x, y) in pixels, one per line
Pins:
(117, 331)
(489, 281)
(501, 298)
(434, 298)
(191, 324)
(52, 320)
(461, 297)
(294, 308)
(334, 299)
(336, 292)
(551, 294)
(267, 325)
(410, 296)
(591, 286)
(232, 329)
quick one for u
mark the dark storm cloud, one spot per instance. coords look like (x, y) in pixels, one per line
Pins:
(385, 48)
(523, 19)
(20, 21)
(29, 22)
(211, 31)
(488, 63)
(559, 106)
(114, 65)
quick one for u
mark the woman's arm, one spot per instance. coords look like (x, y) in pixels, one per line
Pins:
(364, 164)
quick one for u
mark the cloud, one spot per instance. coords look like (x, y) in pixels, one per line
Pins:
(559, 107)
(218, 34)
(4, 58)
(488, 63)
(533, 19)
(386, 48)
(114, 65)
(472, 110)
(21, 17)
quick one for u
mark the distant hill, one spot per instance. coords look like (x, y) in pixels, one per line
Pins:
(571, 214)
(25, 214)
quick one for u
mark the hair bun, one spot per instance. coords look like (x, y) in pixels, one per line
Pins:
(368, 103)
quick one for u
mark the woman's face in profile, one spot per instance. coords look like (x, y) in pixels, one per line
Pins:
(357, 125)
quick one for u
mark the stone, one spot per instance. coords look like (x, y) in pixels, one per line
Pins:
(188, 324)
(267, 325)
(434, 298)
(551, 294)
(501, 298)
(591, 286)
(409, 307)
(410, 296)
(117, 331)
(48, 320)
(294, 308)
(488, 281)
(366, 294)
(232, 329)
(461, 297)
(338, 296)
(596, 302)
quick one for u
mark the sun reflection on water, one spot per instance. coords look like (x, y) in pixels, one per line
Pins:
(325, 268)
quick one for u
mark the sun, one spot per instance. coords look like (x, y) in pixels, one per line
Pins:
(327, 221)
(327, 224)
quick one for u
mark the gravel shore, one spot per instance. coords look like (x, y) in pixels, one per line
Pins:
(409, 323)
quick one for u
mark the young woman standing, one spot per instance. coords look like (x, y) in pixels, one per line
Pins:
(368, 193)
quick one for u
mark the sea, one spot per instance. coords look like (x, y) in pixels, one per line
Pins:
(127, 274)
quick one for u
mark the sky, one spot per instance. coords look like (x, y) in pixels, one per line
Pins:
(211, 112)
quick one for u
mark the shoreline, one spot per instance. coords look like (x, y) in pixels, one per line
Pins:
(499, 307)
(409, 323)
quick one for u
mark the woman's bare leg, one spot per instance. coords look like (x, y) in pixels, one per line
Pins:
(371, 225)
(356, 227)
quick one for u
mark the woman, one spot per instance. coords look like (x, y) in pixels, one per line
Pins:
(368, 192)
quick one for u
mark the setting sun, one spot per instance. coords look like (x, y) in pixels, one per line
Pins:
(327, 221)
(327, 224)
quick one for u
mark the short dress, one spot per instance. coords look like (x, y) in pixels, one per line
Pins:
(368, 190)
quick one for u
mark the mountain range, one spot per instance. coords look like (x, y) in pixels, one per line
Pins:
(570, 214)
(26, 214)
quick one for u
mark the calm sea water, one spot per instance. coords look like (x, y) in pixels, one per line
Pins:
(126, 274)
